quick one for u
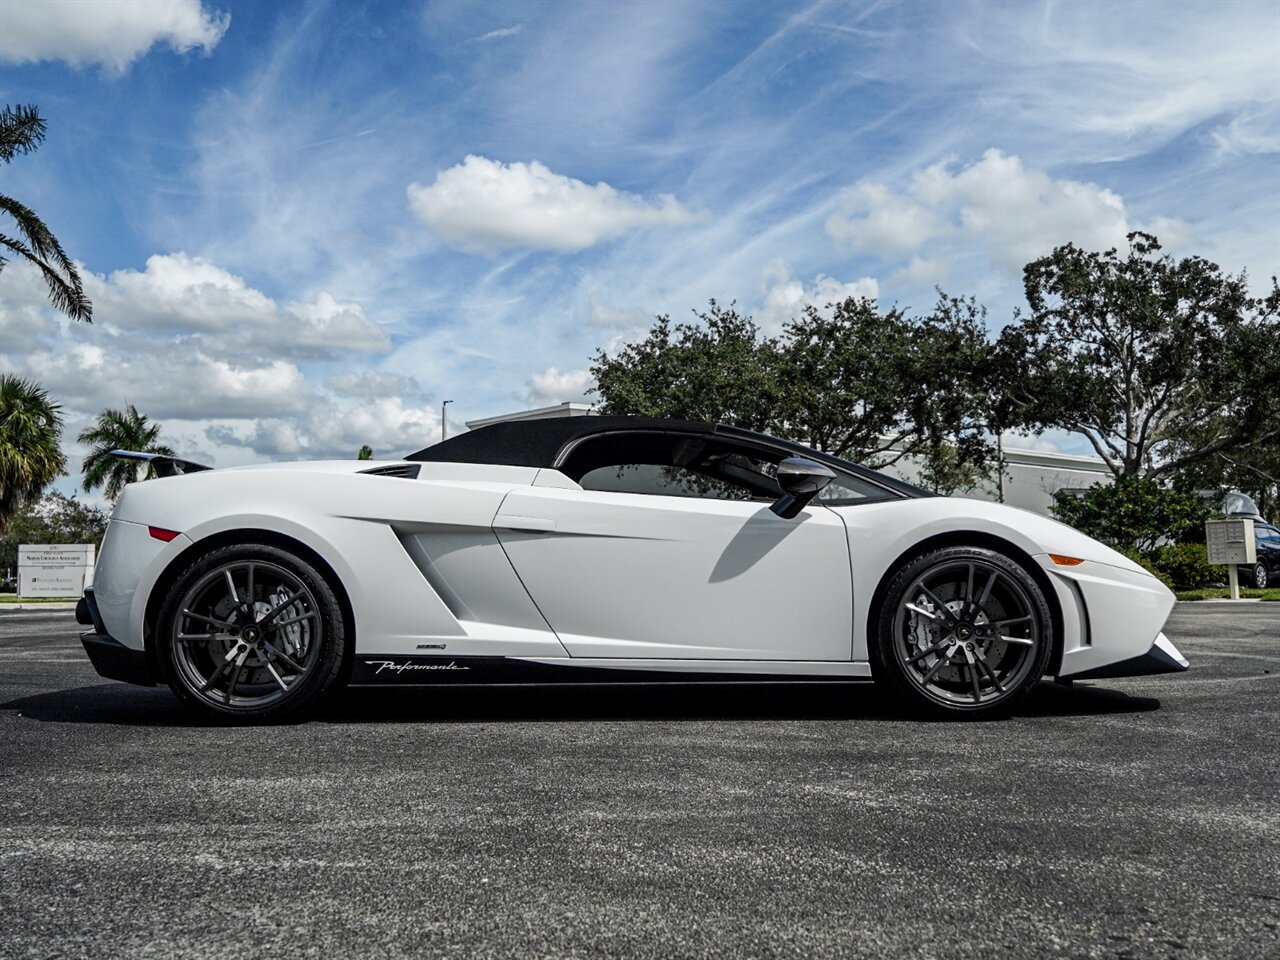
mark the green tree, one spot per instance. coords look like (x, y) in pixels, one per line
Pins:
(852, 380)
(119, 430)
(54, 518)
(21, 132)
(1253, 468)
(365, 453)
(1133, 513)
(30, 455)
(719, 369)
(1142, 353)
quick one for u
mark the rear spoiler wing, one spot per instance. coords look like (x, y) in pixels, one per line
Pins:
(163, 464)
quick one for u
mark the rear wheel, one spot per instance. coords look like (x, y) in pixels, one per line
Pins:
(962, 632)
(251, 632)
(1260, 575)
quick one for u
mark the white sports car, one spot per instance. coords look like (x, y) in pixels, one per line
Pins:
(601, 548)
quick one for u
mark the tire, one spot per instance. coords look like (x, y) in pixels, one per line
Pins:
(1260, 576)
(251, 633)
(961, 633)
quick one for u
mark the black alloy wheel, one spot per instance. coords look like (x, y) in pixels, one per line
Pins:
(251, 632)
(964, 632)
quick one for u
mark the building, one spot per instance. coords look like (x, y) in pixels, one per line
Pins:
(1031, 477)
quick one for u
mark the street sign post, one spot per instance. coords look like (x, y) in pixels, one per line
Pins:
(1231, 543)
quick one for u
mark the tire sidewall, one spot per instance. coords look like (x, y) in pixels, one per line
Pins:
(887, 668)
(317, 682)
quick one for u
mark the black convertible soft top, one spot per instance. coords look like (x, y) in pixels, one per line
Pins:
(538, 443)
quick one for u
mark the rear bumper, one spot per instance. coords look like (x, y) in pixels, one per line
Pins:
(111, 658)
(1163, 657)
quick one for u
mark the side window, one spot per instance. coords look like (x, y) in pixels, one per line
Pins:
(844, 490)
(666, 481)
(676, 465)
(671, 465)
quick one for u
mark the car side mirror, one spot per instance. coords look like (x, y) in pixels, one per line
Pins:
(800, 480)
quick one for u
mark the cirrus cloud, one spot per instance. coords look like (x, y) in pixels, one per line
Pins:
(483, 206)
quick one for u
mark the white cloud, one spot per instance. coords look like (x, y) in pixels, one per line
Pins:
(554, 385)
(785, 296)
(389, 425)
(1251, 131)
(926, 272)
(184, 295)
(113, 33)
(485, 206)
(373, 383)
(189, 343)
(996, 204)
(617, 318)
(499, 34)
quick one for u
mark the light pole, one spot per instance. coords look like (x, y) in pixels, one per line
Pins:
(444, 420)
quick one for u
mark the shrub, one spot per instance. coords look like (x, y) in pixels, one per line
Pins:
(1186, 564)
(1132, 513)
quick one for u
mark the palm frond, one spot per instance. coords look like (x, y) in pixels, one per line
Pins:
(65, 288)
(21, 130)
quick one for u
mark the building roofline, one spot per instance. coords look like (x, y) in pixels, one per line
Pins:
(569, 409)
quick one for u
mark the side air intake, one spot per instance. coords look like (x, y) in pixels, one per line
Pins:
(407, 471)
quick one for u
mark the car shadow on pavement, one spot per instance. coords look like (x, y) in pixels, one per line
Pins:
(118, 704)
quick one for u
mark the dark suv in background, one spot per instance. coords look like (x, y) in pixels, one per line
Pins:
(1266, 572)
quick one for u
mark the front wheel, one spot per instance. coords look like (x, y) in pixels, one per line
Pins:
(963, 632)
(251, 632)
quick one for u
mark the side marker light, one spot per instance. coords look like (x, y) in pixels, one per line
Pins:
(160, 533)
(1059, 560)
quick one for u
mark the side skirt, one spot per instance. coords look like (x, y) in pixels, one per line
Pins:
(396, 669)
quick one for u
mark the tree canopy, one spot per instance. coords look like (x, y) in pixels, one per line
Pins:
(851, 379)
(22, 130)
(119, 430)
(30, 455)
(54, 518)
(1160, 363)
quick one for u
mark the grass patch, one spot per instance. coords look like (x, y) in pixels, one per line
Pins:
(14, 598)
(1224, 593)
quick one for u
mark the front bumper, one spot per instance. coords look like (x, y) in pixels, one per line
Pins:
(111, 658)
(1163, 657)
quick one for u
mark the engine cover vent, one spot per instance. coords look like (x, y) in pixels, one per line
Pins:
(408, 471)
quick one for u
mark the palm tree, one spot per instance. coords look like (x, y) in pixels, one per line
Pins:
(21, 131)
(30, 457)
(119, 430)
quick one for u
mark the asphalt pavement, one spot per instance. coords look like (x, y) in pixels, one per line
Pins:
(1121, 818)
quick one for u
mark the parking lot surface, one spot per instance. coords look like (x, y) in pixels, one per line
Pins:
(1123, 818)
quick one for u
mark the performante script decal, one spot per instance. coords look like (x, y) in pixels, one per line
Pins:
(402, 667)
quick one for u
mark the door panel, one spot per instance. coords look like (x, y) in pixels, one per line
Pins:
(631, 575)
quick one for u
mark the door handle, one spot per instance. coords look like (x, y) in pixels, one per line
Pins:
(505, 521)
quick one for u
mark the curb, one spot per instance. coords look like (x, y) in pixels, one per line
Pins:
(34, 607)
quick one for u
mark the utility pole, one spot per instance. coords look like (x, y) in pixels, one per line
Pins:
(444, 420)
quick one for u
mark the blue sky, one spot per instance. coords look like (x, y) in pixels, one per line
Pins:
(304, 225)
